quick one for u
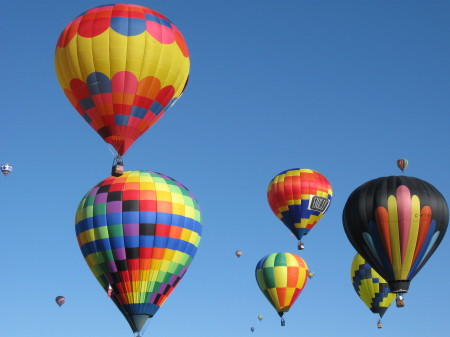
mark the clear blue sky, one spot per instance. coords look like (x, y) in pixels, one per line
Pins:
(342, 87)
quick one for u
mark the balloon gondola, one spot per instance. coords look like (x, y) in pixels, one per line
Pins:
(400, 301)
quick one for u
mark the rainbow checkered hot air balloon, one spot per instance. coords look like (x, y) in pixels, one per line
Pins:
(281, 278)
(138, 233)
(299, 198)
(121, 66)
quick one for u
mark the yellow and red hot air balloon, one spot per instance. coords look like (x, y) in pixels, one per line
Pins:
(121, 66)
(281, 278)
(299, 198)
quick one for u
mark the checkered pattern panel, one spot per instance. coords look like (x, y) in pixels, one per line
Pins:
(299, 197)
(370, 286)
(281, 278)
(139, 233)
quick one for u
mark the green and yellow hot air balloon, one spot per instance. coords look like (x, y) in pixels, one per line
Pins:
(281, 278)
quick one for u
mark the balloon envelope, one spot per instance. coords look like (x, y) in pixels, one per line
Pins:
(238, 253)
(121, 66)
(396, 223)
(281, 278)
(138, 233)
(6, 169)
(60, 300)
(402, 164)
(371, 288)
(299, 198)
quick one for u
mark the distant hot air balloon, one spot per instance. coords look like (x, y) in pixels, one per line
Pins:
(396, 223)
(121, 66)
(138, 233)
(281, 278)
(260, 317)
(371, 287)
(252, 329)
(238, 253)
(60, 300)
(310, 274)
(402, 164)
(6, 169)
(299, 198)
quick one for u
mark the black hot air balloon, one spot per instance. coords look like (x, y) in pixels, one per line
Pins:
(396, 223)
(60, 300)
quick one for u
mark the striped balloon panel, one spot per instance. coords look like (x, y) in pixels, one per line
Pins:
(121, 66)
(281, 278)
(139, 233)
(370, 286)
(299, 197)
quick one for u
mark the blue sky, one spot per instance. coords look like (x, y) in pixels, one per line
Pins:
(342, 87)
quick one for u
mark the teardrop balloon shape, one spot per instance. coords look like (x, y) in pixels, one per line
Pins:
(121, 66)
(138, 234)
(6, 169)
(281, 277)
(396, 223)
(299, 198)
(60, 300)
(371, 288)
(402, 164)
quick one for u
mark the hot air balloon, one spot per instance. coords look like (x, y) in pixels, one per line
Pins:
(121, 66)
(238, 253)
(371, 287)
(396, 223)
(299, 198)
(260, 318)
(310, 274)
(6, 169)
(281, 278)
(252, 329)
(402, 164)
(138, 233)
(60, 300)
